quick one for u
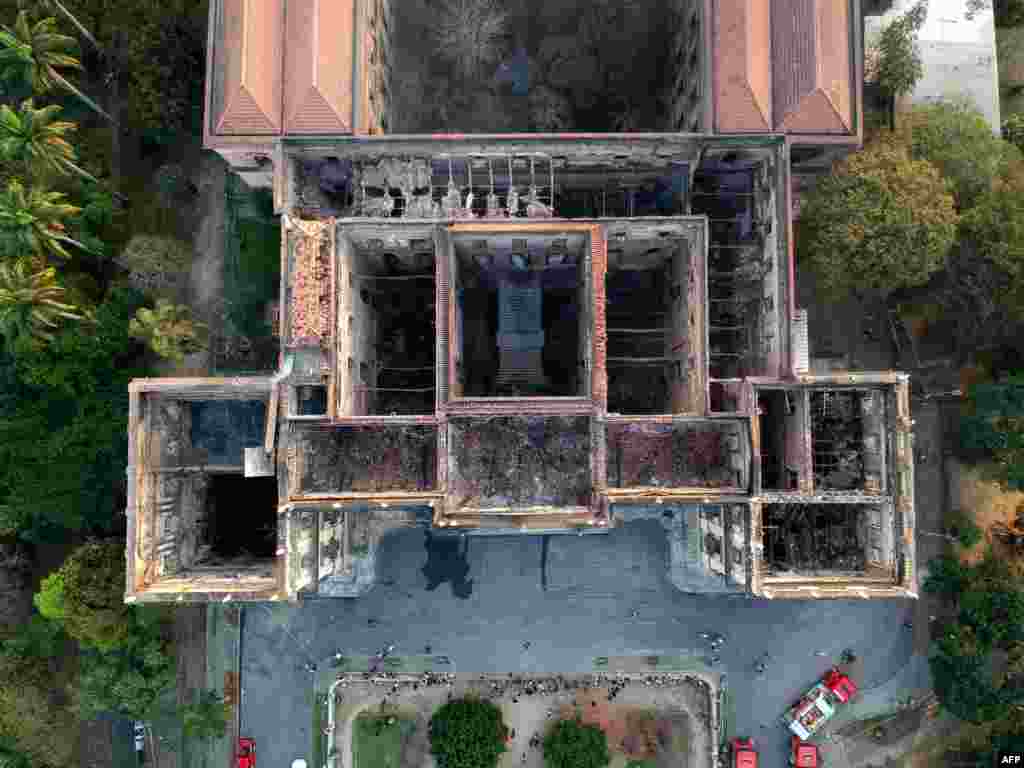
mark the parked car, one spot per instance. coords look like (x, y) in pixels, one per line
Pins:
(139, 729)
(743, 754)
(246, 754)
(804, 755)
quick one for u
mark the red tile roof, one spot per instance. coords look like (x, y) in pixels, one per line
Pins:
(247, 65)
(318, 66)
(741, 49)
(811, 76)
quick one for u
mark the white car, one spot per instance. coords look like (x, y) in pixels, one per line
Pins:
(139, 728)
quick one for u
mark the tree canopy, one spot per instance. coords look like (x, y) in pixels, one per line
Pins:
(955, 137)
(571, 744)
(989, 603)
(467, 733)
(992, 428)
(86, 595)
(879, 222)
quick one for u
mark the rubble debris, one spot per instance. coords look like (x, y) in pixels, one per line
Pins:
(815, 538)
(521, 461)
(368, 459)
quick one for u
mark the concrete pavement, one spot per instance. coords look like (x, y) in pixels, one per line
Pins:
(568, 618)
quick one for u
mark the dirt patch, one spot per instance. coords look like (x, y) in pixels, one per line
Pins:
(521, 461)
(988, 504)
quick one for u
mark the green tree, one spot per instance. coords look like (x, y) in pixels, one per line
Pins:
(63, 422)
(571, 744)
(131, 679)
(34, 53)
(989, 619)
(880, 222)
(32, 302)
(992, 428)
(34, 139)
(955, 138)
(899, 65)
(32, 222)
(206, 717)
(467, 733)
(169, 330)
(88, 597)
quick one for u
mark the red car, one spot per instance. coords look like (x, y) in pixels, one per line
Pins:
(804, 755)
(246, 753)
(743, 754)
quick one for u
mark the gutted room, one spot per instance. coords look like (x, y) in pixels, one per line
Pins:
(378, 459)
(735, 190)
(387, 320)
(826, 539)
(682, 454)
(491, 184)
(522, 308)
(782, 419)
(213, 488)
(520, 461)
(847, 439)
(652, 315)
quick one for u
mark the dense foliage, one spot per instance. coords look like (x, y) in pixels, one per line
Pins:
(956, 138)
(989, 603)
(63, 418)
(992, 428)
(86, 595)
(207, 716)
(571, 744)
(467, 733)
(168, 330)
(130, 678)
(880, 222)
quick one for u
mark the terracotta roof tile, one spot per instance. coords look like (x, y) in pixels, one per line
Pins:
(811, 78)
(318, 66)
(247, 63)
(742, 60)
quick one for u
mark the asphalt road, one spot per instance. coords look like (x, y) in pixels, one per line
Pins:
(572, 603)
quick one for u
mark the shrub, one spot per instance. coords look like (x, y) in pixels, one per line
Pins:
(467, 733)
(206, 717)
(169, 330)
(157, 266)
(571, 744)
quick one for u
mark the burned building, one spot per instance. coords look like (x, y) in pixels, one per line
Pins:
(516, 333)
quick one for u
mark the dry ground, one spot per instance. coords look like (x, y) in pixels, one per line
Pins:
(643, 720)
(987, 503)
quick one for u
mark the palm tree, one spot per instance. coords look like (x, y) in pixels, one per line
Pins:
(31, 303)
(169, 330)
(35, 138)
(34, 54)
(32, 221)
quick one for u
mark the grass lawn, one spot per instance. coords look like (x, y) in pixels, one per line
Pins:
(375, 744)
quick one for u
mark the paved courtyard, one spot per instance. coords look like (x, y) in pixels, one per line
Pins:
(554, 604)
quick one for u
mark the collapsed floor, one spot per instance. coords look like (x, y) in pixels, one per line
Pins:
(520, 461)
(367, 459)
(704, 455)
(846, 435)
(521, 332)
(816, 538)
